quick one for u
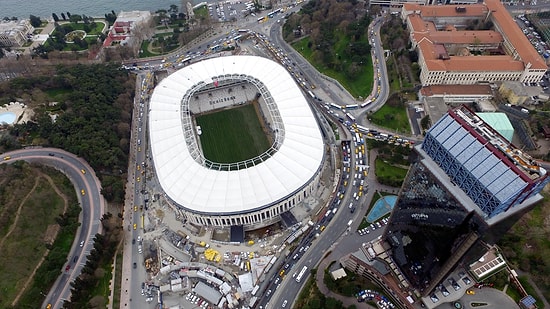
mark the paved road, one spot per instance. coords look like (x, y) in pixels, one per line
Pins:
(83, 178)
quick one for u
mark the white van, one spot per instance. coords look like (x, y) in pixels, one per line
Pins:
(350, 222)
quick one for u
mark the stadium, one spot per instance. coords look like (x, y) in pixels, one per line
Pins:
(234, 142)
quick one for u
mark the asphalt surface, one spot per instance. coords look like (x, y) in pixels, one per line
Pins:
(83, 178)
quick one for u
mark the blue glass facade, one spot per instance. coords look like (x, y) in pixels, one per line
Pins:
(478, 171)
(464, 186)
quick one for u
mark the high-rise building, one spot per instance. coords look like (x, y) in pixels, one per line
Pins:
(466, 187)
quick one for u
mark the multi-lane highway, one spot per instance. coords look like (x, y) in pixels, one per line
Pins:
(87, 188)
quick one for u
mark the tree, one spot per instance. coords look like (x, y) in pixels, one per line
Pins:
(55, 17)
(35, 21)
(110, 18)
(75, 18)
(41, 51)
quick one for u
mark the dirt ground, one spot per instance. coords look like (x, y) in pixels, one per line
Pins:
(51, 233)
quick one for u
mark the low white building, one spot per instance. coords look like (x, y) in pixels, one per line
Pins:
(15, 33)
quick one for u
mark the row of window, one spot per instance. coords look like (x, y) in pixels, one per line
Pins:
(254, 218)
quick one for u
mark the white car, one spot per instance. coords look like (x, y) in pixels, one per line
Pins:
(284, 303)
(82, 244)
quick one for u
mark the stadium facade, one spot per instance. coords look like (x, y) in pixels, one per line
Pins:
(252, 193)
(467, 186)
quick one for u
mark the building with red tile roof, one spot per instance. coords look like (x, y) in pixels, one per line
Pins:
(122, 31)
(448, 53)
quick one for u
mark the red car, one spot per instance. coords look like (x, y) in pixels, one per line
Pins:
(68, 267)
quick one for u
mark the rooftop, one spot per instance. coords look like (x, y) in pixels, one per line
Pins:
(428, 38)
(204, 190)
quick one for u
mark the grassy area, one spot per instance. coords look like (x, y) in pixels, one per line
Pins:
(388, 174)
(144, 51)
(24, 247)
(232, 135)
(201, 13)
(393, 117)
(98, 29)
(359, 86)
(311, 298)
(527, 245)
(101, 291)
(28, 195)
(393, 76)
(118, 280)
(57, 93)
(529, 289)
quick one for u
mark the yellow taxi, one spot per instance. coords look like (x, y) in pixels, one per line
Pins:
(139, 148)
(49, 306)
(135, 207)
(138, 167)
(83, 192)
(135, 226)
(138, 179)
(7, 157)
(470, 292)
(83, 171)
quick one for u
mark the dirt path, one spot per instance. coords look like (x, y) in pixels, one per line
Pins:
(65, 203)
(12, 227)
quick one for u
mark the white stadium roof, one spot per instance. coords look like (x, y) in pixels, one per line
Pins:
(204, 190)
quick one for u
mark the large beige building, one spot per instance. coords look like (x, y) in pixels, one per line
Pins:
(450, 54)
(15, 33)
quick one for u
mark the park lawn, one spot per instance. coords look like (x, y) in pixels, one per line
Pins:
(394, 118)
(90, 40)
(385, 170)
(232, 135)
(360, 86)
(201, 12)
(144, 51)
(98, 29)
(22, 250)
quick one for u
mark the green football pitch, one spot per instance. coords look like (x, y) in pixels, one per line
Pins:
(232, 135)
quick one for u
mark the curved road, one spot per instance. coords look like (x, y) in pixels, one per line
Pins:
(83, 178)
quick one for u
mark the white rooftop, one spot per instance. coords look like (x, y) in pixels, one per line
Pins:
(198, 188)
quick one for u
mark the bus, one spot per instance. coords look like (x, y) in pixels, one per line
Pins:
(311, 94)
(272, 14)
(301, 274)
(336, 106)
(363, 129)
(350, 116)
(186, 60)
(367, 102)
(255, 289)
(244, 30)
